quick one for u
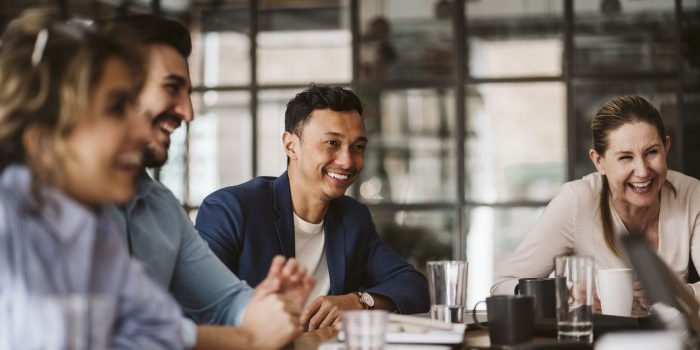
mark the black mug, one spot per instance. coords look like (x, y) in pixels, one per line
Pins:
(544, 292)
(510, 319)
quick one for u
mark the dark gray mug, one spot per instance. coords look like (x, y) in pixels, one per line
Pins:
(510, 319)
(544, 292)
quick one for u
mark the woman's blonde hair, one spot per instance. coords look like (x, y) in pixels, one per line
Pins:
(46, 80)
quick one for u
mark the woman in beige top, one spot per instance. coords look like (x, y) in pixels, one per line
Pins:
(632, 191)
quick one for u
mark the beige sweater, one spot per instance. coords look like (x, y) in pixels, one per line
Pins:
(571, 224)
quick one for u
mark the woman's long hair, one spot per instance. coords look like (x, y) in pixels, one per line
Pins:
(615, 113)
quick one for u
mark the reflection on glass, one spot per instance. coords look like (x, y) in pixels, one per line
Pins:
(304, 44)
(272, 161)
(516, 141)
(624, 36)
(588, 98)
(418, 236)
(406, 39)
(226, 59)
(690, 42)
(220, 144)
(514, 38)
(172, 174)
(224, 45)
(493, 234)
(410, 156)
(691, 130)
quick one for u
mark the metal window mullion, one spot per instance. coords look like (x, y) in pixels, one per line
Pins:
(680, 120)
(253, 16)
(459, 239)
(571, 136)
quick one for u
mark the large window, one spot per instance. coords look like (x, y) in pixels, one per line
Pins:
(476, 111)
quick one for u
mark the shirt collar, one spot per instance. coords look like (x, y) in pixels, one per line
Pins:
(66, 217)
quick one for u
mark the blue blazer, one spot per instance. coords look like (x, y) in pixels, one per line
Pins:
(247, 225)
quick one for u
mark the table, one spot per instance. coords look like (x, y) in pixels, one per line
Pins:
(312, 340)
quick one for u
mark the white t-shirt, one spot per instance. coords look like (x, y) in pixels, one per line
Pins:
(309, 242)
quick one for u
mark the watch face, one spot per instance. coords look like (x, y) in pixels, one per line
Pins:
(367, 299)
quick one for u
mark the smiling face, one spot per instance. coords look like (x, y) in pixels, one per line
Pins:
(634, 164)
(329, 155)
(165, 99)
(104, 149)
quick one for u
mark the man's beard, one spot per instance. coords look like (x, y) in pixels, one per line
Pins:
(151, 158)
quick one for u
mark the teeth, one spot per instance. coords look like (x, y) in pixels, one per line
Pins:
(640, 184)
(167, 127)
(337, 176)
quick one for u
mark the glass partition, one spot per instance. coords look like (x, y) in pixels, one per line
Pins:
(410, 156)
(301, 44)
(418, 236)
(515, 38)
(272, 161)
(406, 40)
(624, 36)
(220, 144)
(493, 234)
(515, 147)
(223, 46)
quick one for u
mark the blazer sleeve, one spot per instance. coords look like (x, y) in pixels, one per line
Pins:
(389, 275)
(220, 223)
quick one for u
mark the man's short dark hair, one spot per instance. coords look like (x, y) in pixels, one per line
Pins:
(153, 29)
(318, 97)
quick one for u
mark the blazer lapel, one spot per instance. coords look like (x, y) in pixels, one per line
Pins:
(284, 222)
(335, 251)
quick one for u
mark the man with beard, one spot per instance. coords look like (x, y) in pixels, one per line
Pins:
(304, 213)
(159, 233)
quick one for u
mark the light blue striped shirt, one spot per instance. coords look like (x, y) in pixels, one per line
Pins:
(66, 279)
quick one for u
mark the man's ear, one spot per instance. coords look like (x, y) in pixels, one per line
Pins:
(291, 142)
(597, 160)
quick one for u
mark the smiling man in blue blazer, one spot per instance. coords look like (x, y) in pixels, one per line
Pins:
(305, 213)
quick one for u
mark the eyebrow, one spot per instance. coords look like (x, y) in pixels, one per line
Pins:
(180, 80)
(646, 149)
(337, 134)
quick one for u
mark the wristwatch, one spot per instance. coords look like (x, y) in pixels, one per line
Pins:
(366, 300)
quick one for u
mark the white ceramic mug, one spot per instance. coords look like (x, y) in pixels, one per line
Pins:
(615, 291)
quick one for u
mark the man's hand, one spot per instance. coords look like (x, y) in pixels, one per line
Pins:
(287, 278)
(271, 321)
(326, 310)
(271, 318)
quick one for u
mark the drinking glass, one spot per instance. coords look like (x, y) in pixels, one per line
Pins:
(574, 284)
(447, 284)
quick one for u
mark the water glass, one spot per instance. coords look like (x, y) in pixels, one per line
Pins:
(447, 284)
(574, 294)
(364, 329)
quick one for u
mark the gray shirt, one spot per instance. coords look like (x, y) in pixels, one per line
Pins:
(66, 279)
(160, 234)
